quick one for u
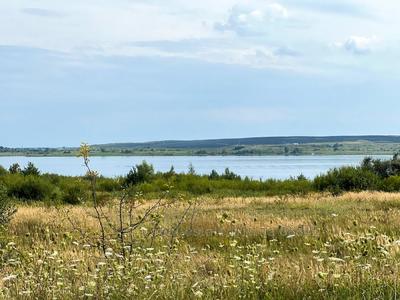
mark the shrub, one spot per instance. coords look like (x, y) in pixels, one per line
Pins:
(74, 192)
(29, 188)
(3, 171)
(382, 168)
(391, 184)
(213, 175)
(140, 174)
(346, 179)
(15, 169)
(7, 210)
(229, 175)
(108, 184)
(30, 169)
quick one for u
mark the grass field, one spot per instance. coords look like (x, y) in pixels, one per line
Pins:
(314, 247)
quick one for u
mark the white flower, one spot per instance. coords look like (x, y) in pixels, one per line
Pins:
(9, 277)
(198, 294)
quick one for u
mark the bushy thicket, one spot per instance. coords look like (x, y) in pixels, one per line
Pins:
(372, 174)
(28, 184)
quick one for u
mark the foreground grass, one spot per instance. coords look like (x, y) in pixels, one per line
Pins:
(314, 247)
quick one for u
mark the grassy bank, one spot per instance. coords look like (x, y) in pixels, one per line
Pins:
(314, 247)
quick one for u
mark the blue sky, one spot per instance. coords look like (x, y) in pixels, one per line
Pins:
(125, 70)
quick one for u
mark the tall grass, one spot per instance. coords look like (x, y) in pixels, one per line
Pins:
(308, 247)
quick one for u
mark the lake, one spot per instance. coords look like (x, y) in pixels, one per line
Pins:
(278, 167)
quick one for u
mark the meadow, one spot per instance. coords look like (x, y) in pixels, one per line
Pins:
(309, 247)
(154, 235)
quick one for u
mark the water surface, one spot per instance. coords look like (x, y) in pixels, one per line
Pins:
(278, 167)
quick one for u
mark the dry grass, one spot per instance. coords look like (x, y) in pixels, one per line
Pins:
(271, 248)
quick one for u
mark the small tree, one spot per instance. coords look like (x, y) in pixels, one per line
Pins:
(213, 175)
(140, 174)
(191, 170)
(230, 175)
(15, 169)
(31, 169)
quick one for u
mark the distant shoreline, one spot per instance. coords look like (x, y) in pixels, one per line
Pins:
(267, 146)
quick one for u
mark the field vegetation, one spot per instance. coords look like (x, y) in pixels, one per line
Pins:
(151, 235)
(27, 184)
(309, 247)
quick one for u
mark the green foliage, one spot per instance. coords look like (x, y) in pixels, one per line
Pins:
(108, 184)
(29, 188)
(390, 184)
(30, 170)
(228, 174)
(3, 171)
(30, 185)
(382, 168)
(347, 179)
(191, 170)
(15, 169)
(7, 209)
(140, 174)
(74, 192)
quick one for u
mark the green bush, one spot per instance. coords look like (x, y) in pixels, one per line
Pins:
(140, 174)
(108, 184)
(30, 169)
(3, 171)
(74, 192)
(30, 188)
(391, 184)
(347, 179)
(15, 169)
(382, 168)
(7, 209)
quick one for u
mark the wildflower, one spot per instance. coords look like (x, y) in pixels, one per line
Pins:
(290, 236)
(109, 252)
(198, 294)
(234, 243)
(9, 277)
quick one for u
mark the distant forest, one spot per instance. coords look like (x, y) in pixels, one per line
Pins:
(284, 146)
(217, 143)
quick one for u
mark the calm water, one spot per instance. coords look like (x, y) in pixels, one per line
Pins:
(255, 166)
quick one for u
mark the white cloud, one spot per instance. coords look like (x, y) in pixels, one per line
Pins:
(287, 34)
(245, 20)
(359, 44)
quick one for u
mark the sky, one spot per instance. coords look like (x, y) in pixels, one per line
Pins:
(102, 71)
